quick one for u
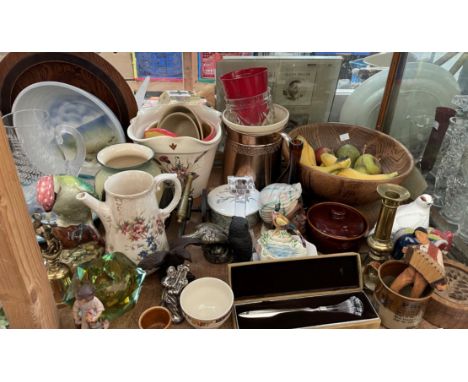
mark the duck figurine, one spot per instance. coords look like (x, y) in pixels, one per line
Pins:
(213, 240)
(219, 247)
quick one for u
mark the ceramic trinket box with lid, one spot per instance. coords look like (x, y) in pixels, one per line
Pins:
(222, 206)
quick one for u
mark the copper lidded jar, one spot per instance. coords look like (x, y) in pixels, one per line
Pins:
(256, 156)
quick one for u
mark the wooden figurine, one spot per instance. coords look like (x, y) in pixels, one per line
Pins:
(426, 266)
(87, 310)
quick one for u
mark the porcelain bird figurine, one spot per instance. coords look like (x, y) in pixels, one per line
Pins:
(412, 215)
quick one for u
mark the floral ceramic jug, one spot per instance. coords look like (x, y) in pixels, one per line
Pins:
(133, 221)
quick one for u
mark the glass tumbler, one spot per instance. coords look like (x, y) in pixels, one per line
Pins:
(251, 111)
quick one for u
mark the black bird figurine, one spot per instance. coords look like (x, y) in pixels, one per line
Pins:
(240, 242)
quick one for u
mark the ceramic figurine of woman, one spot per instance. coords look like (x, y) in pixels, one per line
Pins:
(87, 310)
(425, 259)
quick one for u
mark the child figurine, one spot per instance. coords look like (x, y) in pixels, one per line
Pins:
(426, 266)
(87, 310)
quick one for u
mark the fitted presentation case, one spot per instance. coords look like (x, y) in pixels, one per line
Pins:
(299, 283)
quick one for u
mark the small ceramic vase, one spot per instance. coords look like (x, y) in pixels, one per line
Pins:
(132, 157)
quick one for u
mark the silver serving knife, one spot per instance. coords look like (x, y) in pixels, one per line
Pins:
(352, 305)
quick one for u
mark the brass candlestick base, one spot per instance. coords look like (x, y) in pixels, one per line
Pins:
(60, 279)
(380, 242)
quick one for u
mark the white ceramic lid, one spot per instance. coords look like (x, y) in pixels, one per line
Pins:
(222, 201)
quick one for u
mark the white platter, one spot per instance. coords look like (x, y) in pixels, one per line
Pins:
(74, 107)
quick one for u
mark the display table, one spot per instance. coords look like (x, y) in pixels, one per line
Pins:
(200, 267)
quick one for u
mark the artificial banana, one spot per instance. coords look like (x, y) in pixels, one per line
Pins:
(308, 153)
(353, 174)
(328, 159)
(342, 164)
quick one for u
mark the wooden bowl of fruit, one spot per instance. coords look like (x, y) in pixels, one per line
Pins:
(345, 163)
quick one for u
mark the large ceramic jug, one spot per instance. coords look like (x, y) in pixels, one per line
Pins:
(133, 221)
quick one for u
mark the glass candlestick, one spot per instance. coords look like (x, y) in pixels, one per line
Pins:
(450, 163)
(455, 199)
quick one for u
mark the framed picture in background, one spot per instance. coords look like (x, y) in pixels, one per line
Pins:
(305, 85)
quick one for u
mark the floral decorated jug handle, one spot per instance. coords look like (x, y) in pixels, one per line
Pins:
(165, 212)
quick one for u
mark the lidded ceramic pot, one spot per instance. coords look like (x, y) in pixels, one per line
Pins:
(222, 206)
(336, 227)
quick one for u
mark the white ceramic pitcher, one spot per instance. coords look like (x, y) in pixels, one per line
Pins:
(133, 221)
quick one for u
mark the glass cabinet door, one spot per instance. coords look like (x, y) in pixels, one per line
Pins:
(430, 80)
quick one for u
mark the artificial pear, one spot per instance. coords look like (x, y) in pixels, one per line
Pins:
(348, 151)
(368, 162)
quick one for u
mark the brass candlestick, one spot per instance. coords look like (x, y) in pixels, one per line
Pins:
(59, 274)
(182, 212)
(380, 242)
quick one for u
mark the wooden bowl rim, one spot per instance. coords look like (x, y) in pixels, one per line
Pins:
(364, 181)
(337, 237)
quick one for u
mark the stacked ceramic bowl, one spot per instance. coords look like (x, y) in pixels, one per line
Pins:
(183, 137)
(253, 124)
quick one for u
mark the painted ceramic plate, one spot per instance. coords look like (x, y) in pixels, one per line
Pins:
(424, 87)
(74, 107)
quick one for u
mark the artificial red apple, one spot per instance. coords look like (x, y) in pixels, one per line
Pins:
(319, 152)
